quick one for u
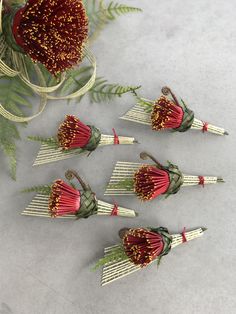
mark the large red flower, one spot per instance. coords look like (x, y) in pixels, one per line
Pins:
(166, 114)
(150, 181)
(73, 133)
(64, 199)
(142, 246)
(52, 32)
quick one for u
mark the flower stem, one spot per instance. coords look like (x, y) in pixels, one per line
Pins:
(71, 174)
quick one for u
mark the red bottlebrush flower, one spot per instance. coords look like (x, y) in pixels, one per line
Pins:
(64, 199)
(166, 114)
(150, 181)
(73, 133)
(142, 246)
(52, 32)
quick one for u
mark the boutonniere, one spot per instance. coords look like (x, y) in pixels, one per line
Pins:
(63, 199)
(45, 54)
(168, 112)
(139, 248)
(73, 138)
(148, 181)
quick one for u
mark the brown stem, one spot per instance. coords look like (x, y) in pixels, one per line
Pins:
(166, 90)
(145, 156)
(71, 174)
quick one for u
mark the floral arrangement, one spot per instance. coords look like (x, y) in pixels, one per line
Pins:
(168, 112)
(73, 138)
(65, 200)
(148, 181)
(45, 53)
(139, 248)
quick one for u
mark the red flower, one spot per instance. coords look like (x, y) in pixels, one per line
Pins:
(150, 181)
(166, 114)
(52, 32)
(73, 133)
(142, 246)
(64, 199)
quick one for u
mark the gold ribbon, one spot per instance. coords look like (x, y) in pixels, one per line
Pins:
(42, 90)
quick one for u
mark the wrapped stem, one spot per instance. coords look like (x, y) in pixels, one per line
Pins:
(120, 268)
(52, 152)
(39, 208)
(142, 113)
(122, 179)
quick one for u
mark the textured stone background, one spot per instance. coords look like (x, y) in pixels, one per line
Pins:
(45, 264)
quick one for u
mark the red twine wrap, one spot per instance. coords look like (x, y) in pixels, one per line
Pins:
(142, 246)
(166, 114)
(64, 199)
(72, 133)
(116, 137)
(150, 182)
(184, 235)
(115, 210)
(52, 32)
(201, 181)
(204, 127)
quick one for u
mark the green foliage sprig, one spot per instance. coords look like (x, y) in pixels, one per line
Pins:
(116, 254)
(14, 95)
(100, 14)
(43, 189)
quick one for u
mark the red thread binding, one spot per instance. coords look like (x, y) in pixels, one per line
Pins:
(116, 137)
(201, 181)
(115, 210)
(184, 235)
(204, 127)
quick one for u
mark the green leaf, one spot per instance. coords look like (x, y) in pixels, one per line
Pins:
(43, 189)
(146, 104)
(102, 91)
(127, 184)
(116, 254)
(13, 96)
(100, 14)
(50, 141)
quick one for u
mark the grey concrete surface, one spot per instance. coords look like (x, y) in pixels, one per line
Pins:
(45, 264)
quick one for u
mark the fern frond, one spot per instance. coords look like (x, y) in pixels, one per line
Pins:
(127, 184)
(103, 91)
(100, 14)
(43, 189)
(115, 9)
(50, 141)
(146, 104)
(13, 96)
(116, 254)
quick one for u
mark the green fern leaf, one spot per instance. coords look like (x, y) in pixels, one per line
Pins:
(50, 141)
(100, 14)
(43, 189)
(127, 184)
(102, 91)
(116, 254)
(13, 96)
(115, 9)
